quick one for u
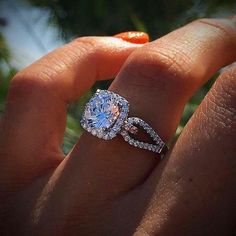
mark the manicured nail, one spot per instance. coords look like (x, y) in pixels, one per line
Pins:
(134, 37)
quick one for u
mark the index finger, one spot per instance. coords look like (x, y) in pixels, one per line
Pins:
(33, 125)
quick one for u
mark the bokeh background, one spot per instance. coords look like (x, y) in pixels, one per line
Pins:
(30, 29)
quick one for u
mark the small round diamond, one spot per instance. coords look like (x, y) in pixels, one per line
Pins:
(131, 142)
(141, 144)
(99, 134)
(94, 132)
(112, 134)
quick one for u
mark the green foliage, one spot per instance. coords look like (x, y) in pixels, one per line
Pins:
(6, 71)
(108, 17)
(4, 51)
(73, 129)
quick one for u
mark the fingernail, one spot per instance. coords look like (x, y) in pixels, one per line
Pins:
(134, 37)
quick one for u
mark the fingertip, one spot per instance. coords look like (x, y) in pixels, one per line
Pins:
(134, 37)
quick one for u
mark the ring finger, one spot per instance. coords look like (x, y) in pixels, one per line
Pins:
(157, 80)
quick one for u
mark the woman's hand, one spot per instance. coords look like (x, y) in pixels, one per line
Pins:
(110, 187)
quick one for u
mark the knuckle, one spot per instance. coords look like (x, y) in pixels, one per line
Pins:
(41, 74)
(224, 27)
(46, 71)
(44, 75)
(22, 79)
(25, 84)
(90, 46)
(86, 44)
(159, 67)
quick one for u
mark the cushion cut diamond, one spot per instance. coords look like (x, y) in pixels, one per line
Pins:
(102, 111)
(104, 114)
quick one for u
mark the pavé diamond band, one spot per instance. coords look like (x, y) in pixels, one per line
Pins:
(106, 115)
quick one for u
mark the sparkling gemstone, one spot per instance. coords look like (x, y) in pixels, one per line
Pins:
(102, 111)
(105, 114)
(99, 135)
(94, 132)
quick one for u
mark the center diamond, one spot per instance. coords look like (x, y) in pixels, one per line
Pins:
(102, 111)
(104, 114)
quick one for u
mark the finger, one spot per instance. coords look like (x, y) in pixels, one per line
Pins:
(157, 80)
(34, 122)
(200, 172)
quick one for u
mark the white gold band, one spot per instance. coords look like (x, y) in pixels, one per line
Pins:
(158, 146)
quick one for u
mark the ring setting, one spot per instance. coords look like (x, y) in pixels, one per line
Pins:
(106, 115)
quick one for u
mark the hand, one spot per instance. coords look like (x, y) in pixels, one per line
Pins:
(109, 187)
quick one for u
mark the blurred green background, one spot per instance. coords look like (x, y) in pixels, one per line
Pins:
(48, 24)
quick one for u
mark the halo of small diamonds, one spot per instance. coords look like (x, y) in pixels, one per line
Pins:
(100, 120)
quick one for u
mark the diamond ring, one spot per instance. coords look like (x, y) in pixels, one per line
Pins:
(106, 115)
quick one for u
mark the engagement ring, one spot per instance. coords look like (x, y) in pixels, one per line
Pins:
(106, 115)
